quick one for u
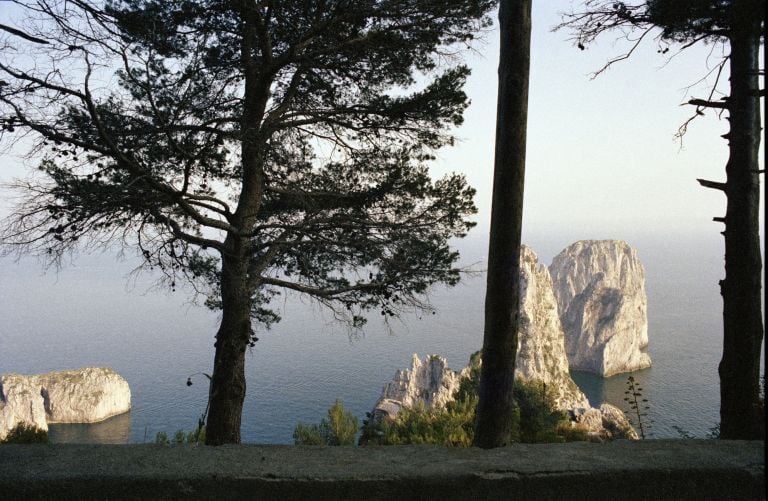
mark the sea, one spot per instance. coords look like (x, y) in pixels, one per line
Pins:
(94, 310)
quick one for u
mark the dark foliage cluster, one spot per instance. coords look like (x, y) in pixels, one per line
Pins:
(683, 22)
(24, 433)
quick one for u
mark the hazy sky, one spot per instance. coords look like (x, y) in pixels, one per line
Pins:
(602, 158)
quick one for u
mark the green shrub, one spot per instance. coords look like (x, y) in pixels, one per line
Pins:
(538, 419)
(452, 426)
(308, 435)
(196, 436)
(340, 428)
(571, 432)
(179, 437)
(24, 433)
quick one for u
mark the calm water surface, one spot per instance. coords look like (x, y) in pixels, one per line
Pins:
(90, 314)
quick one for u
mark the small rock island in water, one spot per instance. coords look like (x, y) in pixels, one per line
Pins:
(86, 395)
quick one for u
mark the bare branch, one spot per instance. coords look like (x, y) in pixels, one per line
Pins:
(21, 34)
(712, 184)
(684, 127)
(708, 104)
(624, 56)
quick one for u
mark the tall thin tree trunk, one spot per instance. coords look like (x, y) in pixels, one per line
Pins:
(502, 301)
(228, 378)
(742, 315)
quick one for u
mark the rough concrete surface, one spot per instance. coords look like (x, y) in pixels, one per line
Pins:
(651, 469)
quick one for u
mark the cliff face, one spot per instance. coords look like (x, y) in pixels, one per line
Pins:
(85, 395)
(600, 290)
(540, 354)
(597, 292)
(20, 402)
(429, 382)
(541, 350)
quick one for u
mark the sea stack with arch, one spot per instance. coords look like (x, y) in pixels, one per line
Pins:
(87, 395)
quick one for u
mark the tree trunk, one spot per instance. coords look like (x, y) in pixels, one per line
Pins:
(742, 315)
(228, 378)
(502, 301)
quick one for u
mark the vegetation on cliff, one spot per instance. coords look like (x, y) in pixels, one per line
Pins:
(535, 419)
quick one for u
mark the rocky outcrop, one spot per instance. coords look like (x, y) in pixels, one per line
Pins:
(600, 290)
(85, 395)
(606, 423)
(20, 402)
(540, 354)
(613, 279)
(541, 343)
(429, 382)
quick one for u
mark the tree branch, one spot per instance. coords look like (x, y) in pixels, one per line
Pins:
(712, 184)
(23, 35)
(178, 232)
(318, 291)
(708, 104)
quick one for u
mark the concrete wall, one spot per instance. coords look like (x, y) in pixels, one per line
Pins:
(651, 469)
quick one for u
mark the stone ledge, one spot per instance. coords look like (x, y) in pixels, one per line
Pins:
(651, 469)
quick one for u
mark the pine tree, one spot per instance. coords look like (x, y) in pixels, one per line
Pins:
(248, 147)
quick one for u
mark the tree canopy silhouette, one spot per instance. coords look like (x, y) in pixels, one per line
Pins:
(246, 147)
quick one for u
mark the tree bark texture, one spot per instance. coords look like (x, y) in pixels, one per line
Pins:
(228, 378)
(742, 315)
(494, 411)
(765, 248)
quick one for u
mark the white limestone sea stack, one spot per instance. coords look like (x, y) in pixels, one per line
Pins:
(86, 395)
(600, 291)
(541, 344)
(541, 350)
(540, 354)
(20, 402)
